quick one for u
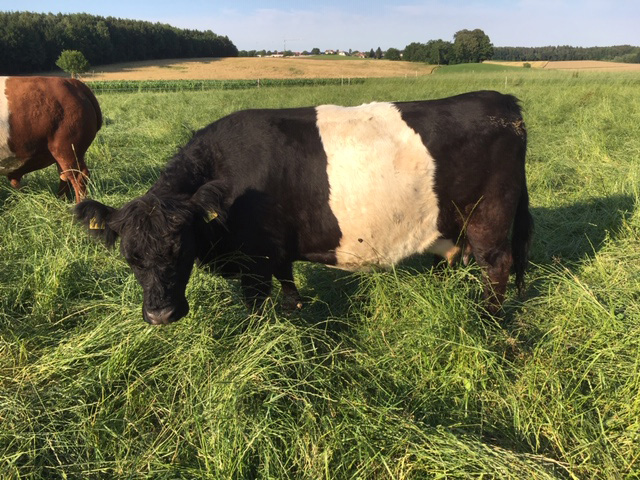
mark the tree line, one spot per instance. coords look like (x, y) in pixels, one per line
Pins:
(618, 53)
(32, 42)
(468, 46)
(473, 46)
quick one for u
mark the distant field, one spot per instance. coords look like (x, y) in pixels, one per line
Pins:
(310, 67)
(591, 65)
(253, 68)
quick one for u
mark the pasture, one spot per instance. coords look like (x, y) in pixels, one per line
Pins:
(383, 375)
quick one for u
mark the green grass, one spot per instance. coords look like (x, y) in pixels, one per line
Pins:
(139, 86)
(384, 375)
(465, 68)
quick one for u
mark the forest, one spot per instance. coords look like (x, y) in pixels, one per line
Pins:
(32, 42)
(617, 53)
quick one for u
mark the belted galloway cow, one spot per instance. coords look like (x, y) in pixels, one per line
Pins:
(47, 120)
(350, 187)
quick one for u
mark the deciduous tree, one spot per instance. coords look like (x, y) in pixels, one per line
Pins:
(471, 46)
(392, 54)
(72, 62)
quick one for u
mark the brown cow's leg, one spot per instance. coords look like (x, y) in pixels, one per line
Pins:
(72, 168)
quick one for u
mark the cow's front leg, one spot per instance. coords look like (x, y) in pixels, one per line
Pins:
(291, 297)
(256, 284)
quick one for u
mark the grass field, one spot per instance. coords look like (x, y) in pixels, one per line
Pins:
(383, 375)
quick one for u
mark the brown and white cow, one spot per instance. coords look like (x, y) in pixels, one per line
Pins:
(47, 120)
(350, 187)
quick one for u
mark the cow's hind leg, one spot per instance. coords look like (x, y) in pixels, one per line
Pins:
(492, 251)
(497, 264)
(71, 166)
(64, 188)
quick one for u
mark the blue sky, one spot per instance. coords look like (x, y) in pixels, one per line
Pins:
(362, 25)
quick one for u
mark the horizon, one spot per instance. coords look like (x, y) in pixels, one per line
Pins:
(361, 26)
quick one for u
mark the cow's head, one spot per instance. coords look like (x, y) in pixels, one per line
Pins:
(158, 238)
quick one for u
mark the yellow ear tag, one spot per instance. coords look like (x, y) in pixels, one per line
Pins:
(95, 224)
(211, 215)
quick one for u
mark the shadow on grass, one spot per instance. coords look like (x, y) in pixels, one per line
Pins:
(578, 231)
(328, 295)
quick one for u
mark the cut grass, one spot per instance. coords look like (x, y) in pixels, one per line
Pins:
(383, 375)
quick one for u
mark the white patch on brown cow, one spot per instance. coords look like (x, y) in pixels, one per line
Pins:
(381, 179)
(8, 162)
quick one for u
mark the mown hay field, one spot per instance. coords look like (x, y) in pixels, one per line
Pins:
(576, 65)
(301, 67)
(255, 68)
(383, 375)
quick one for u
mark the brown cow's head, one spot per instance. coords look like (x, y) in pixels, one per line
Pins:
(158, 238)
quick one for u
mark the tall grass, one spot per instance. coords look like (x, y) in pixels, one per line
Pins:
(383, 375)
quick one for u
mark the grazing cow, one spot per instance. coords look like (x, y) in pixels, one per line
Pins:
(47, 120)
(349, 187)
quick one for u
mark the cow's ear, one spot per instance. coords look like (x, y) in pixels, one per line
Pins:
(95, 216)
(209, 202)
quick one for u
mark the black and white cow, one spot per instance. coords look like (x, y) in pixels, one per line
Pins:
(350, 187)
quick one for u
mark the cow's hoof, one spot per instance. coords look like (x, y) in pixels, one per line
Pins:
(292, 304)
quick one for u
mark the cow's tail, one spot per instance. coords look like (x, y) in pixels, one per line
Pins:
(521, 237)
(94, 101)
